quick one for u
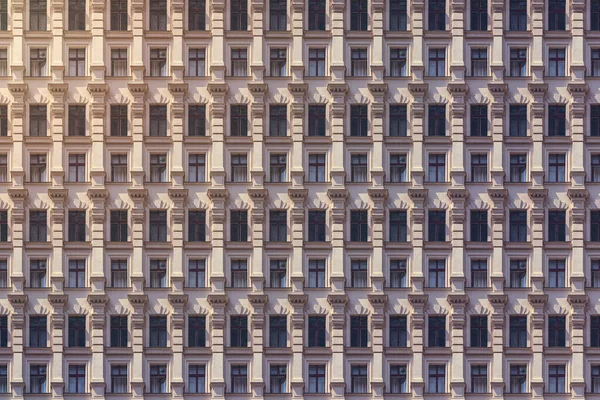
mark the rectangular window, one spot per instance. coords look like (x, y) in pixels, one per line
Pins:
(4, 372)
(556, 273)
(38, 331)
(239, 120)
(316, 378)
(278, 167)
(359, 226)
(197, 168)
(118, 62)
(398, 15)
(3, 168)
(316, 167)
(277, 378)
(557, 120)
(437, 274)
(437, 120)
(557, 226)
(77, 331)
(437, 15)
(77, 15)
(359, 380)
(556, 379)
(518, 273)
(77, 224)
(398, 331)
(316, 62)
(518, 62)
(316, 331)
(239, 379)
(37, 226)
(38, 378)
(37, 273)
(3, 120)
(239, 331)
(518, 168)
(118, 378)
(3, 275)
(278, 15)
(479, 331)
(118, 273)
(197, 378)
(278, 62)
(317, 225)
(277, 331)
(479, 15)
(197, 120)
(277, 120)
(398, 168)
(158, 120)
(158, 273)
(479, 120)
(197, 331)
(437, 62)
(518, 226)
(437, 379)
(359, 65)
(239, 273)
(556, 62)
(158, 62)
(197, 273)
(359, 171)
(398, 226)
(239, 62)
(158, 331)
(38, 16)
(518, 331)
(158, 226)
(595, 26)
(38, 121)
(398, 120)
(595, 168)
(479, 226)
(594, 331)
(239, 15)
(479, 273)
(77, 120)
(479, 62)
(77, 168)
(3, 333)
(239, 226)
(77, 273)
(359, 120)
(518, 120)
(77, 62)
(359, 331)
(518, 379)
(479, 168)
(158, 379)
(158, 15)
(196, 226)
(595, 120)
(359, 15)
(317, 121)
(38, 62)
(595, 281)
(557, 15)
(437, 331)
(197, 15)
(3, 56)
(316, 273)
(398, 61)
(557, 331)
(595, 386)
(397, 378)
(118, 226)
(158, 168)
(118, 15)
(118, 164)
(316, 15)
(196, 62)
(595, 70)
(278, 273)
(437, 226)
(518, 15)
(118, 120)
(398, 273)
(3, 226)
(479, 379)
(358, 273)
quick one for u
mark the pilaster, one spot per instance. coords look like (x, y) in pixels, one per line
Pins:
(538, 303)
(17, 276)
(378, 91)
(178, 302)
(417, 322)
(18, 92)
(217, 112)
(538, 197)
(378, 197)
(138, 302)
(298, 323)
(178, 197)
(418, 197)
(57, 116)
(538, 112)
(259, 197)
(378, 302)
(337, 324)
(17, 382)
(218, 302)
(298, 113)
(218, 214)
(98, 303)
(458, 385)
(418, 91)
(578, 304)
(257, 383)
(578, 199)
(457, 118)
(338, 220)
(178, 91)
(578, 104)
(58, 343)
(498, 197)
(498, 328)
(338, 93)
(138, 221)
(498, 91)
(298, 197)
(57, 229)
(98, 220)
(98, 117)
(457, 226)
(138, 118)
(257, 172)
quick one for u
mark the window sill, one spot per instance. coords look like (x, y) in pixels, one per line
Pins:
(77, 351)
(277, 34)
(398, 245)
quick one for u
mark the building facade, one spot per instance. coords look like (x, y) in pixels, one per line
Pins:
(299, 199)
